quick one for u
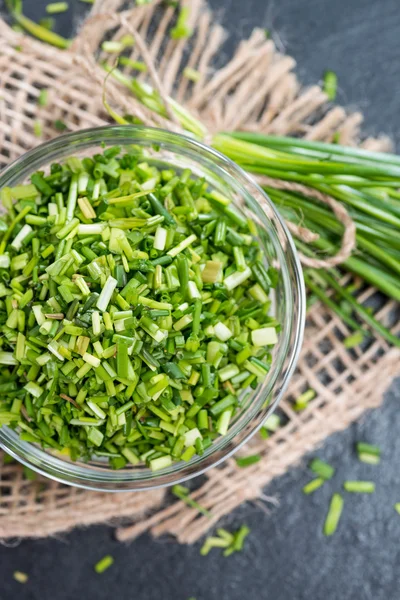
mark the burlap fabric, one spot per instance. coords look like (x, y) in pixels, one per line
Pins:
(256, 90)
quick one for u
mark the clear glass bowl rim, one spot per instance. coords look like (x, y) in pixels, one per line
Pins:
(79, 474)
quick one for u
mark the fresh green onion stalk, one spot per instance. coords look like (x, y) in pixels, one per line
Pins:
(134, 307)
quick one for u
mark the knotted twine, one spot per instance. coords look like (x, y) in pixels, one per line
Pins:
(255, 91)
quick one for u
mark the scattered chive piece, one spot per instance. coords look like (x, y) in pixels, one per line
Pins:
(191, 74)
(302, 401)
(361, 487)
(230, 542)
(121, 339)
(56, 7)
(43, 97)
(353, 340)
(397, 507)
(334, 514)
(20, 577)
(322, 469)
(137, 65)
(246, 461)
(272, 423)
(183, 494)
(104, 564)
(368, 453)
(330, 84)
(313, 485)
(37, 128)
(47, 23)
(60, 125)
(40, 32)
(181, 29)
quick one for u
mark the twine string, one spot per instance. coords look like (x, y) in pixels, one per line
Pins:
(348, 242)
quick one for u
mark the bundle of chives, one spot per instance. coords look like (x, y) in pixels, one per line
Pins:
(134, 307)
(365, 182)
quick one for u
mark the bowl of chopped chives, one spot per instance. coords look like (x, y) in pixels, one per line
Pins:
(151, 308)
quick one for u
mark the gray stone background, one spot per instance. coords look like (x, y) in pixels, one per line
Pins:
(286, 557)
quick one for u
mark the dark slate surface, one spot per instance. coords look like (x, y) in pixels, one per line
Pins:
(286, 557)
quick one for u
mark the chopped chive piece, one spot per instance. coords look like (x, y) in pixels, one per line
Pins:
(20, 577)
(397, 507)
(330, 84)
(362, 487)
(60, 125)
(246, 461)
(181, 29)
(313, 485)
(334, 514)
(43, 97)
(302, 401)
(104, 564)
(322, 469)
(191, 74)
(354, 340)
(368, 453)
(183, 494)
(56, 7)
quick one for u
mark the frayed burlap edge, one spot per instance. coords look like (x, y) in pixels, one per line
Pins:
(260, 81)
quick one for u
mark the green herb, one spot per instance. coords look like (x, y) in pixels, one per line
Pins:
(362, 487)
(230, 542)
(191, 74)
(313, 485)
(302, 401)
(322, 469)
(368, 453)
(272, 423)
(182, 29)
(353, 340)
(121, 340)
(43, 97)
(330, 84)
(334, 514)
(47, 23)
(104, 564)
(397, 507)
(363, 181)
(246, 461)
(20, 577)
(38, 31)
(137, 65)
(56, 7)
(37, 128)
(183, 494)
(60, 125)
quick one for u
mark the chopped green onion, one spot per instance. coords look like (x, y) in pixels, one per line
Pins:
(183, 494)
(363, 487)
(104, 564)
(353, 340)
(313, 485)
(246, 461)
(330, 84)
(322, 469)
(56, 7)
(20, 577)
(334, 514)
(368, 453)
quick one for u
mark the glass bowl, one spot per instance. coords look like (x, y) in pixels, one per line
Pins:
(288, 304)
